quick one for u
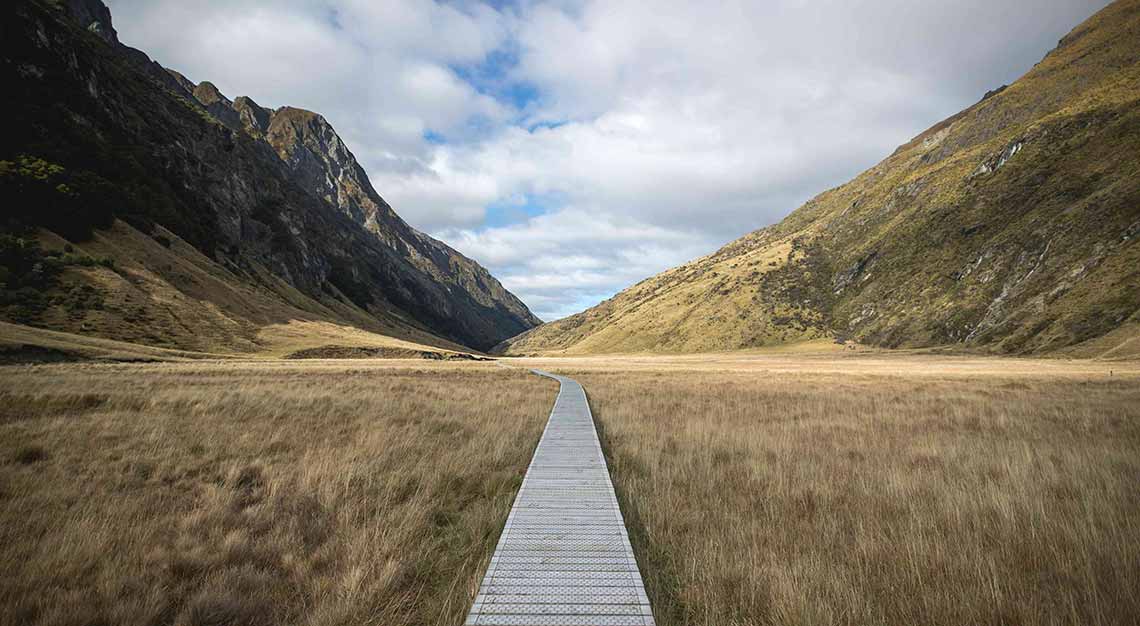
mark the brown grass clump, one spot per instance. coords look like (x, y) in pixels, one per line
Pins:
(26, 455)
(257, 493)
(848, 498)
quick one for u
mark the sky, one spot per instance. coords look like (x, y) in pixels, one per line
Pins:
(576, 147)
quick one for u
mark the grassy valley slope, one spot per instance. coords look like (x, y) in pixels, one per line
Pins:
(1010, 227)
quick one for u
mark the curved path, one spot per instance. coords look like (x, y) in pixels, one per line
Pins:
(564, 556)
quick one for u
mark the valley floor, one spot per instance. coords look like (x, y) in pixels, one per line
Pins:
(779, 488)
(207, 493)
(880, 489)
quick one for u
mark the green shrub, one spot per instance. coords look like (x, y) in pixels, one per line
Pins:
(26, 264)
(39, 193)
(83, 260)
(29, 275)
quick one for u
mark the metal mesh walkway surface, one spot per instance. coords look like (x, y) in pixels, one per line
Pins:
(564, 557)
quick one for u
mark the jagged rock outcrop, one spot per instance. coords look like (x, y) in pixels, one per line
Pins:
(94, 16)
(1009, 227)
(272, 196)
(217, 105)
(254, 118)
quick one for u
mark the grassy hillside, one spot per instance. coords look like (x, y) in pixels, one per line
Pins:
(1010, 226)
(157, 290)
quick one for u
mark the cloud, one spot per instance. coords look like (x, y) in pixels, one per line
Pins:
(651, 132)
(559, 260)
(381, 72)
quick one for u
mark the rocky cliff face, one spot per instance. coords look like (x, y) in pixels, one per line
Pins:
(273, 196)
(1010, 227)
(322, 163)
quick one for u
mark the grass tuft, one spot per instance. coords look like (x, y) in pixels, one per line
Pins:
(29, 454)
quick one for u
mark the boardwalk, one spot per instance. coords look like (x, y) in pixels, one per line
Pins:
(564, 557)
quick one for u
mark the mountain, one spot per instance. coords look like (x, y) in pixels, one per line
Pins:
(141, 206)
(1009, 227)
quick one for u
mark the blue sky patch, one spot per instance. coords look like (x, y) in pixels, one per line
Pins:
(492, 77)
(516, 210)
(548, 124)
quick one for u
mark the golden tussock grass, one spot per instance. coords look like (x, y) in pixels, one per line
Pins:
(758, 488)
(876, 494)
(256, 493)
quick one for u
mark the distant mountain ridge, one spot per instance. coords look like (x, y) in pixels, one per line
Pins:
(271, 197)
(1009, 227)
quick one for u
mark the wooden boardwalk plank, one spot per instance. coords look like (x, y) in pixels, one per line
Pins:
(564, 557)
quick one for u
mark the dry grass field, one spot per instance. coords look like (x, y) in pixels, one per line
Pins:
(209, 493)
(800, 489)
(775, 488)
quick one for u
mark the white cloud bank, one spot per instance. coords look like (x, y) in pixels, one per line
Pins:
(663, 129)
